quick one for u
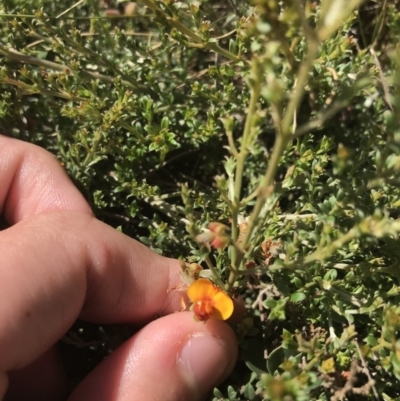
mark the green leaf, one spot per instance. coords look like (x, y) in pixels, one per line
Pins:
(232, 394)
(270, 303)
(217, 393)
(298, 297)
(249, 392)
(275, 358)
(165, 123)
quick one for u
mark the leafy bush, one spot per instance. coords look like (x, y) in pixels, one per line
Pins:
(279, 119)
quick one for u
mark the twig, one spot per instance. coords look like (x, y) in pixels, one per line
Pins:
(368, 225)
(14, 55)
(248, 136)
(266, 184)
(70, 8)
(32, 90)
(321, 117)
(366, 371)
(323, 253)
(297, 216)
(382, 79)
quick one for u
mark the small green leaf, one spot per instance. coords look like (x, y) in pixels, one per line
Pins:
(218, 393)
(298, 297)
(249, 392)
(270, 303)
(232, 394)
(275, 358)
(165, 123)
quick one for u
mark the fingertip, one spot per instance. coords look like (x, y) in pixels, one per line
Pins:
(173, 358)
(42, 380)
(205, 360)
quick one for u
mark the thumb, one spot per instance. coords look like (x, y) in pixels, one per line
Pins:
(173, 358)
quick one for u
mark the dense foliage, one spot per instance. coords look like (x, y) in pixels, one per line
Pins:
(278, 118)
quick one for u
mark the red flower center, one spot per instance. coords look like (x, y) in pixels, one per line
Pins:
(203, 310)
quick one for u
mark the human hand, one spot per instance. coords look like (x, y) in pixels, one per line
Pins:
(59, 263)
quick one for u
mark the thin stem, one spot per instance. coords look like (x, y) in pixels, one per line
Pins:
(232, 146)
(298, 91)
(244, 151)
(225, 197)
(311, 364)
(366, 370)
(321, 254)
(321, 117)
(213, 272)
(233, 275)
(70, 8)
(92, 152)
(382, 79)
(288, 54)
(50, 17)
(379, 25)
(248, 127)
(291, 217)
(13, 54)
(249, 198)
(284, 135)
(29, 89)
(266, 186)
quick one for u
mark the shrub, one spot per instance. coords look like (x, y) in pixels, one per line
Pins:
(279, 119)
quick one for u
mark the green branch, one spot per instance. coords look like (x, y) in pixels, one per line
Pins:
(14, 55)
(266, 186)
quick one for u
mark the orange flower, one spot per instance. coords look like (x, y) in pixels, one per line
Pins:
(209, 301)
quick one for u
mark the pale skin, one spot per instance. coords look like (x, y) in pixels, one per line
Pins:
(59, 263)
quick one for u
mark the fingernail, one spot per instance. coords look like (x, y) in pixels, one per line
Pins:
(204, 361)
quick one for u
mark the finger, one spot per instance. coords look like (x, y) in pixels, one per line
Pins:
(43, 380)
(33, 182)
(171, 359)
(61, 265)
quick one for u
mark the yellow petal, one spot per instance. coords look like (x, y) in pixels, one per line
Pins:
(222, 306)
(204, 294)
(202, 289)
